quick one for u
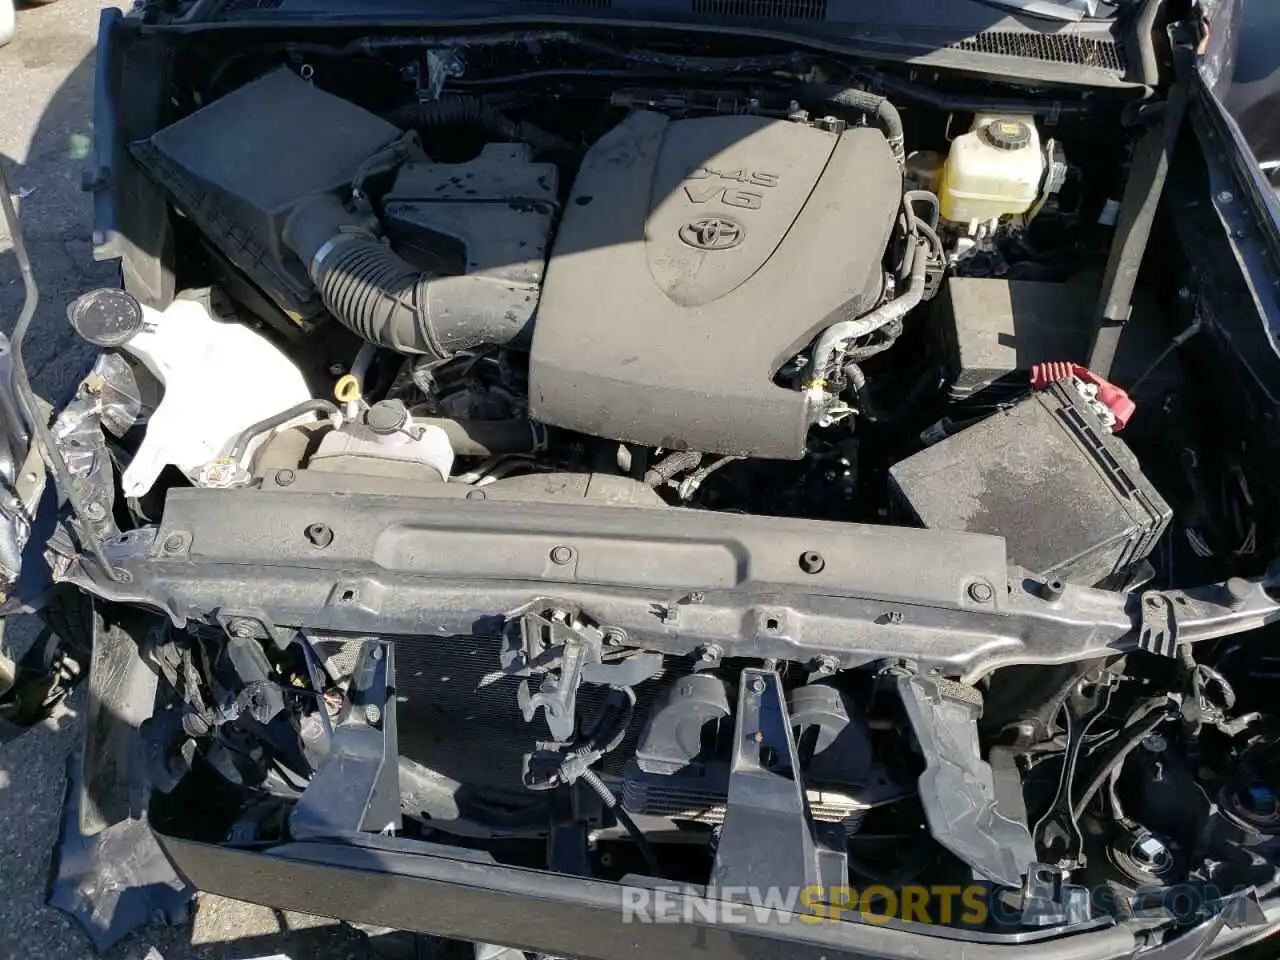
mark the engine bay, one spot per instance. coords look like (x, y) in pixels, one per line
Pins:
(753, 303)
(827, 314)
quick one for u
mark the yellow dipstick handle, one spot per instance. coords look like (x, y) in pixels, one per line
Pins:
(347, 389)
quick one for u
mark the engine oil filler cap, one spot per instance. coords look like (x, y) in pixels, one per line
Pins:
(107, 317)
(1007, 134)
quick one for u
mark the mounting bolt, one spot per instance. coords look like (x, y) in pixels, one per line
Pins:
(615, 636)
(827, 665)
(320, 534)
(1155, 743)
(560, 555)
(756, 685)
(1052, 590)
(894, 616)
(711, 653)
(173, 543)
(1238, 590)
(811, 562)
(337, 369)
(1226, 196)
(94, 511)
(243, 629)
(284, 478)
(372, 714)
(1150, 851)
(980, 592)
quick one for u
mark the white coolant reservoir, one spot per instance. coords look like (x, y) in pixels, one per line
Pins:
(219, 378)
(386, 442)
(992, 171)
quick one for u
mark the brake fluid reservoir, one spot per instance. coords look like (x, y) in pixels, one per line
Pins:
(992, 171)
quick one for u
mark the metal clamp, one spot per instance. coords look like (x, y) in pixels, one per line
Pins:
(557, 643)
(1158, 625)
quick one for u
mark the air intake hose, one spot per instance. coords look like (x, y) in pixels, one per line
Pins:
(381, 297)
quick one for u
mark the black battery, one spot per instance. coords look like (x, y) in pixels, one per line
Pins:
(1068, 496)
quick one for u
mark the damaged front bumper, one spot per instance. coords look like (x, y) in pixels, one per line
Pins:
(268, 565)
(343, 865)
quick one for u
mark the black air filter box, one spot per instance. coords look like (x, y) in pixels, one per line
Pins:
(1069, 498)
(239, 166)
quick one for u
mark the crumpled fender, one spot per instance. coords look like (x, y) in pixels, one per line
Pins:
(110, 873)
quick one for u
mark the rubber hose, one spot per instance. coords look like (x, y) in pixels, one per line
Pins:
(888, 335)
(885, 113)
(384, 299)
(857, 381)
(262, 426)
(908, 222)
(1146, 64)
(461, 110)
(484, 438)
(930, 97)
(670, 465)
(931, 235)
(912, 197)
(881, 316)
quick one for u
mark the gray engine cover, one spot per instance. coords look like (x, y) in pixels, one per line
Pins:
(695, 258)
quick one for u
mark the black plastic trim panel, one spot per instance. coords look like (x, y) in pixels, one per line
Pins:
(388, 882)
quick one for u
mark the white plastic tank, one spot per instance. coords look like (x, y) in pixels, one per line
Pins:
(386, 443)
(6, 21)
(219, 378)
(994, 170)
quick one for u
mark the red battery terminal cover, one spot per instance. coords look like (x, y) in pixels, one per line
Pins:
(1104, 392)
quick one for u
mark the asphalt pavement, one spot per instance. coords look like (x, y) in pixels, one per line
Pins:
(46, 82)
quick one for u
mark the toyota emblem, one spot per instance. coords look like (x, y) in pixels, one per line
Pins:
(712, 233)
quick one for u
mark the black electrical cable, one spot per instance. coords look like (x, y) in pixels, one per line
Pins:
(592, 779)
(464, 110)
(1141, 723)
(778, 61)
(634, 74)
(961, 103)
(22, 384)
